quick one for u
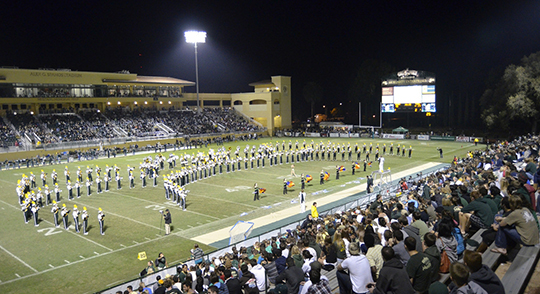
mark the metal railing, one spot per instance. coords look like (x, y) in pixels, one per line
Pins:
(362, 201)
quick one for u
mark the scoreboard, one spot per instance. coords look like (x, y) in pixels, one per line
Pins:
(408, 91)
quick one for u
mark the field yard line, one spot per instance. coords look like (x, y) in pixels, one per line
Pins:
(328, 198)
(13, 255)
(120, 216)
(68, 230)
(174, 206)
(228, 201)
(78, 261)
(94, 242)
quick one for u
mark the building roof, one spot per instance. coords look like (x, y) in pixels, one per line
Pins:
(262, 83)
(151, 80)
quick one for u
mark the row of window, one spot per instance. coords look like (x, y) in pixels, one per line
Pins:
(62, 90)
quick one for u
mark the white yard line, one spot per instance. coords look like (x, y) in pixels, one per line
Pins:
(17, 258)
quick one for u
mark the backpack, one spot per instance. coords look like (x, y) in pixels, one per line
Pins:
(460, 242)
(444, 267)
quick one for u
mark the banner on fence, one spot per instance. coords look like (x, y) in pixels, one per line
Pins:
(393, 136)
(441, 138)
(463, 139)
(423, 137)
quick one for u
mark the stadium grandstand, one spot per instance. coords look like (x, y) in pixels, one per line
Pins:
(44, 107)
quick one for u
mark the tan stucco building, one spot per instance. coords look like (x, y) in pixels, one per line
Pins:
(38, 91)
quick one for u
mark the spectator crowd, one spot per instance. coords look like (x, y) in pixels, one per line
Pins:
(402, 244)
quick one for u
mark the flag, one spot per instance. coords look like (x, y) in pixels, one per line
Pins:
(369, 164)
(326, 176)
(290, 184)
(262, 190)
(309, 178)
(356, 165)
(342, 168)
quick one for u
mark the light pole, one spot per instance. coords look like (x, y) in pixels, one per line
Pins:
(196, 37)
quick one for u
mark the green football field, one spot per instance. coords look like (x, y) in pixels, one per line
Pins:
(48, 259)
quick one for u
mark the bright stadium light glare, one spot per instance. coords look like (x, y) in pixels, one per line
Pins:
(195, 37)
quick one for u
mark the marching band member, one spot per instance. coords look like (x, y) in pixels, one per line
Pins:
(57, 192)
(65, 213)
(47, 195)
(98, 181)
(84, 217)
(118, 181)
(55, 211)
(101, 217)
(75, 215)
(43, 178)
(88, 187)
(35, 210)
(70, 190)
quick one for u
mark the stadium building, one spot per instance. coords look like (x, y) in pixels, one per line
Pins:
(57, 90)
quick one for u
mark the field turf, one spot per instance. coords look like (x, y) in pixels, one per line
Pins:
(46, 259)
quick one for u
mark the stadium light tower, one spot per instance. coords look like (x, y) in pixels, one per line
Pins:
(196, 37)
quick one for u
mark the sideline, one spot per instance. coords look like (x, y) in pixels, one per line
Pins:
(222, 234)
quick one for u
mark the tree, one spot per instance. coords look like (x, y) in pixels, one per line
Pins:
(515, 99)
(312, 94)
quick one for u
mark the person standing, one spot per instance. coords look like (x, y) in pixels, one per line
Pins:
(55, 211)
(101, 217)
(302, 197)
(65, 213)
(78, 189)
(197, 254)
(75, 215)
(88, 187)
(119, 181)
(57, 192)
(338, 168)
(35, 209)
(84, 217)
(303, 181)
(255, 192)
(168, 220)
(440, 152)
(314, 212)
(284, 186)
(381, 164)
(98, 182)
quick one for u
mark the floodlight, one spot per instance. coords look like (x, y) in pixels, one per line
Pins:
(195, 37)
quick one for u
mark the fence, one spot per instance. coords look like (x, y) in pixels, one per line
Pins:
(362, 201)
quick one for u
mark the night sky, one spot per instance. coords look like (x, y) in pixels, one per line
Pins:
(462, 42)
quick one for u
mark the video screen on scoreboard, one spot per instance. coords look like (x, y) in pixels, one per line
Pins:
(412, 98)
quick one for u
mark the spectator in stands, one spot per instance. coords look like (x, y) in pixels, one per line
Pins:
(400, 251)
(374, 255)
(359, 272)
(248, 280)
(419, 224)
(520, 226)
(446, 240)
(318, 285)
(393, 277)
(431, 250)
(420, 267)
(482, 274)
(459, 273)
(260, 274)
(477, 214)
(292, 277)
(411, 232)
(197, 254)
(233, 284)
